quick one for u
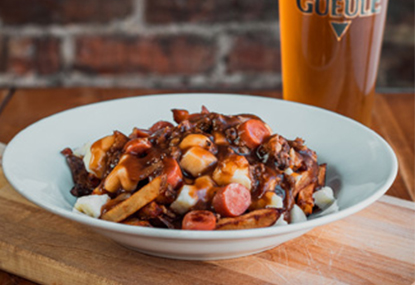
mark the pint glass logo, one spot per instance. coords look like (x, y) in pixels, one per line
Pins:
(340, 12)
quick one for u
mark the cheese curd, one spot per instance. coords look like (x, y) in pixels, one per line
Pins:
(233, 169)
(297, 215)
(189, 195)
(274, 201)
(195, 140)
(91, 205)
(196, 160)
(186, 199)
(324, 199)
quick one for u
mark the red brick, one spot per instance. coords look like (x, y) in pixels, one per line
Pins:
(209, 11)
(48, 58)
(33, 55)
(252, 53)
(183, 54)
(43, 12)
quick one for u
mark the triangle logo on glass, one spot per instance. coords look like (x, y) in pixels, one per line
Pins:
(339, 28)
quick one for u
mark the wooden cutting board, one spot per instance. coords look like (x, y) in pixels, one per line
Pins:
(376, 245)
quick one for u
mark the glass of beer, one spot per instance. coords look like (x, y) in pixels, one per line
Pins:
(330, 53)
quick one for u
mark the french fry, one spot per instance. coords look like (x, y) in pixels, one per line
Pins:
(138, 200)
(321, 177)
(256, 219)
(307, 177)
(137, 222)
(305, 198)
(128, 180)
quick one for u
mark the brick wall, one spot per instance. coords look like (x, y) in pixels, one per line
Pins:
(217, 44)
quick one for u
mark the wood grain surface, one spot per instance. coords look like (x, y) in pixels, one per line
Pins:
(375, 246)
(394, 120)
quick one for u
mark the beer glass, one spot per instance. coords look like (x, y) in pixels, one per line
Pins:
(330, 53)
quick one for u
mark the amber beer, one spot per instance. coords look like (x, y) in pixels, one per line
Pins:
(330, 53)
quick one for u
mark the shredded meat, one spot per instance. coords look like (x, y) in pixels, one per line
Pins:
(84, 182)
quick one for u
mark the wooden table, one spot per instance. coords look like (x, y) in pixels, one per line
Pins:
(393, 119)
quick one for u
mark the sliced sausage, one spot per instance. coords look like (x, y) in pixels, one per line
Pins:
(199, 220)
(180, 115)
(253, 132)
(160, 125)
(231, 200)
(173, 172)
(139, 133)
(137, 146)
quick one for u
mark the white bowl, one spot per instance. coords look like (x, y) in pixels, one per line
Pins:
(361, 166)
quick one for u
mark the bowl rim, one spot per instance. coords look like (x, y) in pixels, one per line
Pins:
(207, 235)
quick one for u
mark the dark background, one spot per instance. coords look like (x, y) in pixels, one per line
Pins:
(175, 44)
